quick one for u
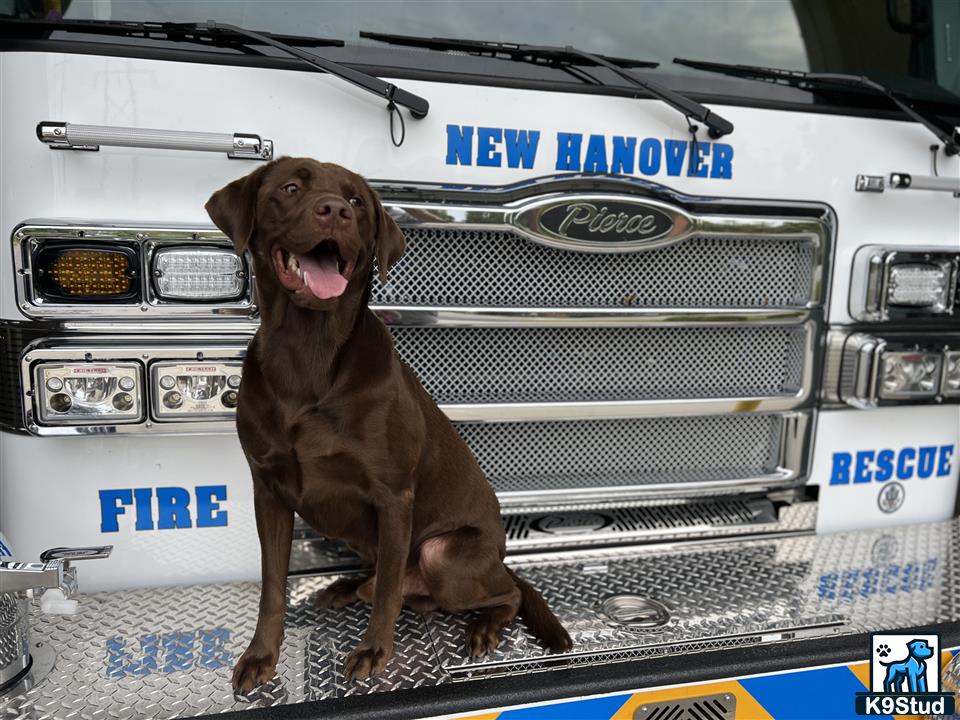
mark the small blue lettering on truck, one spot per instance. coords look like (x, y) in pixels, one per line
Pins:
(887, 579)
(866, 466)
(173, 509)
(574, 152)
(168, 652)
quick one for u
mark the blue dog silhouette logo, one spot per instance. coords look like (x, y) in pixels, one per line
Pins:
(905, 673)
(910, 673)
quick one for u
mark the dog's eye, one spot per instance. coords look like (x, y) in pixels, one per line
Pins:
(356, 201)
(290, 188)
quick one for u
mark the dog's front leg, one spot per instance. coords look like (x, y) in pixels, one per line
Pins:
(275, 527)
(394, 522)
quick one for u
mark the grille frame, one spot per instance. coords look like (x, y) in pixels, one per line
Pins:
(785, 464)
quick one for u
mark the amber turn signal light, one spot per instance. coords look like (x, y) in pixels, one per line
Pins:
(86, 273)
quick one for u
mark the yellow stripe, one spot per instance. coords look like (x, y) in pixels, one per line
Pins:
(485, 716)
(747, 707)
(862, 671)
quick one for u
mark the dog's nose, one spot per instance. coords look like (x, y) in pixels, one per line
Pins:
(331, 210)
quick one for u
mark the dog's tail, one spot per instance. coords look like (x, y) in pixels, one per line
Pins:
(539, 619)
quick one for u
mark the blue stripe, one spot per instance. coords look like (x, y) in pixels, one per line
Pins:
(595, 709)
(828, 693)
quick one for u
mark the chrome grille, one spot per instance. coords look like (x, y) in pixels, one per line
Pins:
(490, 268)
(556, 364)
(581, 454)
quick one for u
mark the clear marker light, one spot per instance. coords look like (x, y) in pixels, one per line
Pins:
(909, 374)
(919, 285)
(198, 274)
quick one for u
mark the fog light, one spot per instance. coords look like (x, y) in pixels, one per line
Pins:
(198, 274)
(920, 285)
(909, 374)
(85, 393)
(195, 390)
(86, 273)
(951, 374)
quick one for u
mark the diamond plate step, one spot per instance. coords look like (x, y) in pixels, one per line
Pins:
(168, 652)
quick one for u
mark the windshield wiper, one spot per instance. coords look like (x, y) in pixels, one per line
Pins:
(228, 35)
(944, 132)
(394, 95)
(147, 31)
(561, 56)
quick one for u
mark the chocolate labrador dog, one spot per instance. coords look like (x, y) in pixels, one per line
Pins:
(337, 428)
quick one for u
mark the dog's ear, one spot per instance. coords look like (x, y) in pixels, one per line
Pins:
(390, 240)
(233, 208)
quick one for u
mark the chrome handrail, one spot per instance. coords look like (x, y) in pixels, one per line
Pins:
(73, 136)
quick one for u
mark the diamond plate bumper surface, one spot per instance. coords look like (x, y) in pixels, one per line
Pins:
(166, 653)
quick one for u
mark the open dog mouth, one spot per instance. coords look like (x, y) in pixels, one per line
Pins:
(322, 270)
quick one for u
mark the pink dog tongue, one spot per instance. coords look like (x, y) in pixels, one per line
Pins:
(322, 276)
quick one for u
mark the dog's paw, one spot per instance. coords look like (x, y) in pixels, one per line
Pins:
(883, 650)
(483, 636)
(367, 659)
(254, 668)
(339, 594)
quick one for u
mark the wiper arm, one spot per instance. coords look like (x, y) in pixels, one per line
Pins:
(949, 136)
(394, 95)
(555, 55)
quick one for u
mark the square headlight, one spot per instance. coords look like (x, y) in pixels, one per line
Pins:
(198, 389)
(198, 274)
(88, 393)
(906, 375)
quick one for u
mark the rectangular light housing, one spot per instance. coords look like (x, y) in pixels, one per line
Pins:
(890, 284)
(951, 374)
(86, 272)
(198, 274)
(905, 375)
(920, 285)
(88, 393)
(195, 390)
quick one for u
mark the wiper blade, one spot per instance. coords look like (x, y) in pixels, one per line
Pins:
(231, 35)
(394, 95)
(944, 132)
(148, 31)
(562, 56)
(550, 54)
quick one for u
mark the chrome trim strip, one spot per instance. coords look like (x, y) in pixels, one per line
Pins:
(420, 316)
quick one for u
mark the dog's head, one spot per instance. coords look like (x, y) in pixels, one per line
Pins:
(313, 228)
(920, 649)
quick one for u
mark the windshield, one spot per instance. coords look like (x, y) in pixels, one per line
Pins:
(912, 45)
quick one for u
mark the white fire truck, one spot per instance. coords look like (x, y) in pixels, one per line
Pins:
(684, 276)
